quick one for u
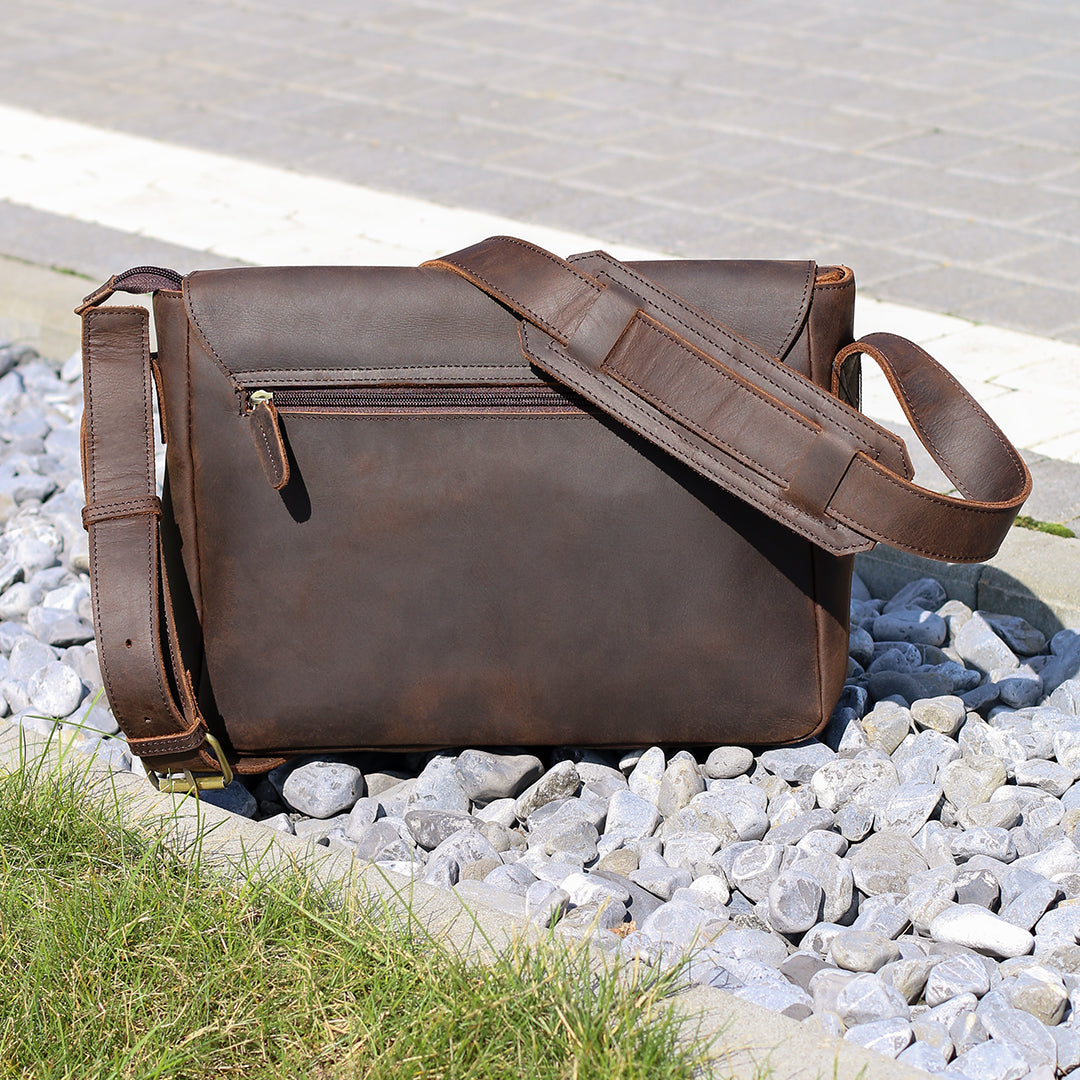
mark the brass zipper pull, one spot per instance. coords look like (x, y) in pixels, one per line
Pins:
(266, 434)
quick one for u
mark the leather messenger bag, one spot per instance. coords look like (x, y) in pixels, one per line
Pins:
(500, 499)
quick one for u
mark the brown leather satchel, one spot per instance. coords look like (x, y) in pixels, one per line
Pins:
(500, 499)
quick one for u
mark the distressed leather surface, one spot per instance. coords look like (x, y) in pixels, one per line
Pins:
(447, 579)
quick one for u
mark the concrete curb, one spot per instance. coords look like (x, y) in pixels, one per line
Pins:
(1035, 575)
(747, 1040)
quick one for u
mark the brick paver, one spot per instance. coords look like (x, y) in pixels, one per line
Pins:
(933, 146)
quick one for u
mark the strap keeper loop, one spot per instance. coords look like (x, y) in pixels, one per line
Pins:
(146, 504)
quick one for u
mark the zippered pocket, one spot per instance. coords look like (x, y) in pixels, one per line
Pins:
(266, 407)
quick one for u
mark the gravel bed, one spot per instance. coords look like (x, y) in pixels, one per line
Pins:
(909, 880)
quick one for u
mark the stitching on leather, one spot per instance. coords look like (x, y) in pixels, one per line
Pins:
(205, 341)
(276, 469)
(193, 501)
(279, 376)
(771, 500)
(709, 435)
(803, 308)
(560, 263)
(660, 298)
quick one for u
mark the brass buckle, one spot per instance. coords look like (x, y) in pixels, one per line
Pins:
(189, 782)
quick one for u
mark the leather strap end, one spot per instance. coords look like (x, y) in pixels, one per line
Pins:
(175, 743)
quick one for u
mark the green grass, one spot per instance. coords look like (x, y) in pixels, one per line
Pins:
(119, 960)
(1024, 522)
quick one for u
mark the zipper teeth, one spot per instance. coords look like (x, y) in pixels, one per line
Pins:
(172, 275)
(424, 397)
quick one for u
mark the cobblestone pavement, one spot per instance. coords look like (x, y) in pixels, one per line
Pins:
(933, 146)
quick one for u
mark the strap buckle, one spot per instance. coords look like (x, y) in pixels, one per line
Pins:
(188, 782)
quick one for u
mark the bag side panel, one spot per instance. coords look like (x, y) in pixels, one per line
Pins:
(829, 327)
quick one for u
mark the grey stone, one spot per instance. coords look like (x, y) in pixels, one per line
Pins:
(907, 976)
(647, 774)
(796, 901)
(754, 870)
(962, 974)
(1047, 776)
(977, 645)
(942, 714)
(438, 787)
(926, 593)
(642, 902)
(915, 625)
(862, 950)
(322, 789)
(886, 725)
(921, 1055)
(512, 877)
(787, 1000)
(855, 822)
(748, 943)
(682, 780)
(661, 882)
(465, 846)
(631, 817)
(57, 627)
(888, 1037)
(990, 1060)
(732, 813)
(485, 777)
(620, 860)
(1018, 1029)
(1018, 687)
(834, 876)
(1064, 663)
(279, 823)
(971, 780)
(1067, 1041)
(577, 840)
(997, 813)
(472, 892)
(977, 928)
(690, 849)
(994, 842)
(882, 915)
(977, 887)
(1029, 905)
(909, 807)
(55, 690)
(28, 656)
(1066, 697)
(560, 782)
(866, 999)
(800, 968)
(822, 842)
(235, 798)
(430, 826)
(799, 827)
(967, 1031)
(545, 903)
(499, 812)
(797, 764)
(818, 938)
(925, 903)
(909, 685)
(1043, 998)
(727, 762)
(1023, 638)
(838, 783)
(884, 862)
(682, 924)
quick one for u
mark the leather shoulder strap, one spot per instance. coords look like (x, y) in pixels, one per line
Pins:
(148, 686)
(755, 426)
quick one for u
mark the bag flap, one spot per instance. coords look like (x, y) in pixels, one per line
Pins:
(280, 326)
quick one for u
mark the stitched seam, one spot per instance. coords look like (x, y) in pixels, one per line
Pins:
(211, 351)
(660, 298)
(194, 503)
(274, 467)
(773, 501)
(278, 376)
(495, 290)
(792, 332)
(709, 435)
